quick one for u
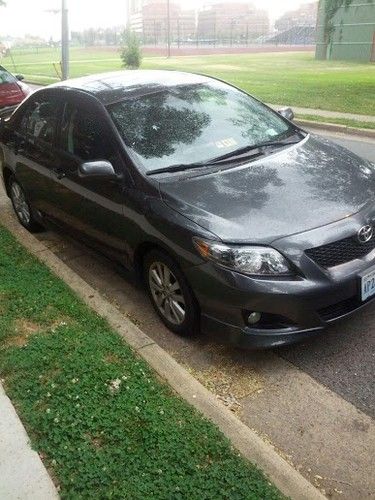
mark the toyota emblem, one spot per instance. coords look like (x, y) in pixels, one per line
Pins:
(365, 234)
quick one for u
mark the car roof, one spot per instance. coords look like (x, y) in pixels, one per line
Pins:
(116, 86)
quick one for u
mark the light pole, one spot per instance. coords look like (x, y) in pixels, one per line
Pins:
(168, 29)
(64, 40)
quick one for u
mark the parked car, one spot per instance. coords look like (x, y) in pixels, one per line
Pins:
(238, 221)
(12, 91)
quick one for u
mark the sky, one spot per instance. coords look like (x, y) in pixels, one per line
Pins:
(35, 17)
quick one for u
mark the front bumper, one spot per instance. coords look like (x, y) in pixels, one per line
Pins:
(307, 305)
(252, 338)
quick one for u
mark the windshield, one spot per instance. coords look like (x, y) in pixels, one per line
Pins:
(6, 77)
(193, 123)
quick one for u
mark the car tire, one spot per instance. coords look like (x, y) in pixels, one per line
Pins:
(22, 207)
(170, 294)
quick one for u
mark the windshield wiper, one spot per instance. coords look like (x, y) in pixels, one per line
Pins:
(247, 149)
(187, 166)
(255, 149)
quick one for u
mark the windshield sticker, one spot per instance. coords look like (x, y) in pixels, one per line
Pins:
(272, 132)
(226, 143)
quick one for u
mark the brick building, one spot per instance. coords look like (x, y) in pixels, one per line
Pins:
(148, 18)
(234, 21)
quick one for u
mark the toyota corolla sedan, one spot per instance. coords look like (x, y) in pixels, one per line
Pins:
(237, 221)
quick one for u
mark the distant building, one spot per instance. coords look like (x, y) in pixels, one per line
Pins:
(148, 18)
(305, 15)
(353, 36)
(234, 21)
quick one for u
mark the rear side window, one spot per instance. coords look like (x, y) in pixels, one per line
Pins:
(6, 77)
(39, 122)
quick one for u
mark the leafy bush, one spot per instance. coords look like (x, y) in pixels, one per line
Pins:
(131, 53)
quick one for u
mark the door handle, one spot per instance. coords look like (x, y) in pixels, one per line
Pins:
(19, 147)
(60, 174)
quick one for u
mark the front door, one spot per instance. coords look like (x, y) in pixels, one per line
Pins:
(93, 207)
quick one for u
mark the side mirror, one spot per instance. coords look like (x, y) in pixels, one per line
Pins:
(287, 113)
(20, 78)
(100, 168)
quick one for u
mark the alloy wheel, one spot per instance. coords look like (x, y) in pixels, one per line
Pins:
(20, 204)
(167, 293)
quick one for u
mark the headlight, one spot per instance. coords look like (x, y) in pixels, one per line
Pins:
(253, 260)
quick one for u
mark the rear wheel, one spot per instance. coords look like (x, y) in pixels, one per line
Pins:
(170, 294)
(21, 206)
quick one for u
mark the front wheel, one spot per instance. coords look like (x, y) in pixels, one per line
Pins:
(170, 294)
(22, 207)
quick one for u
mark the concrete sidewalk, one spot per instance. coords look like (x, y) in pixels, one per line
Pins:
(22, 473)
(325, 114)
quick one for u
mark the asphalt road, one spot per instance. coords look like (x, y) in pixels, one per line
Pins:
(364, 147)
(343, 357)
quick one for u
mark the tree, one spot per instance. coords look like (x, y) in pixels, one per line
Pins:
(131, 53)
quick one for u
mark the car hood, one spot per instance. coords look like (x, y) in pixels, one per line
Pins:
(10, 94)
(302, 187)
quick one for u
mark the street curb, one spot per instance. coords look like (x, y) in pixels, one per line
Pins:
(334, 127)
(289, 481)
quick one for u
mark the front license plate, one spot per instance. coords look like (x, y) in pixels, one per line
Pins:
(368, 285)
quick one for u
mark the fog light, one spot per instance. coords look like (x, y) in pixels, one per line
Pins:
(254, 318)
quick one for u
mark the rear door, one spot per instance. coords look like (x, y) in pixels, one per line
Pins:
(34, 148)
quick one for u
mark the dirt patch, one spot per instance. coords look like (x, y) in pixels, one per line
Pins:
(229, 379)
(23, 330)
(112, 359)
(96, 441)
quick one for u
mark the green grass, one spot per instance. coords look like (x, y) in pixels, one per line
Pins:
(280, 78)
(338, 121)
(294, 79)
(96, 413)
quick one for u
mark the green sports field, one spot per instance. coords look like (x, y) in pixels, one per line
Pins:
(292, 78)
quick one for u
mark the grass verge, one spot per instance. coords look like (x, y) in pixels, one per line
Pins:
(338, 121)
(103, 424)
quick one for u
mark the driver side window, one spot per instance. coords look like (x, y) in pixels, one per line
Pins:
(84, 136)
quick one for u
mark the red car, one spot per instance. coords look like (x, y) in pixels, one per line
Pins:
(12, 91)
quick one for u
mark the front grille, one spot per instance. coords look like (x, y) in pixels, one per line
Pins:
(339, 309)
(340, 251)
